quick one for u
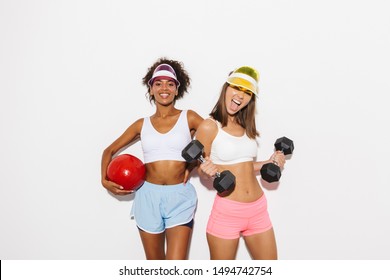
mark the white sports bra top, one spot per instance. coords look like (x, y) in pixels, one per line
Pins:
(228, 149)
(165, 146)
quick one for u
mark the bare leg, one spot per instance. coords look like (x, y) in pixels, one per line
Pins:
(222, 249)
(178, 239)
(262, 246)
(153, 245)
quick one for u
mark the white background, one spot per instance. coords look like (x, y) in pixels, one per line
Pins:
(70, 84)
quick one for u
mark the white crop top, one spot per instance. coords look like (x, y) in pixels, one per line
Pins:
(228, 149)
(165, 146)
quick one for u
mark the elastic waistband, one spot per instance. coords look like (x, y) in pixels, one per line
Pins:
(221, 199)
(165, 188)
(239, 209)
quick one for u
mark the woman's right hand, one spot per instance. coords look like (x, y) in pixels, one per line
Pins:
(208, 168)
(115, 188)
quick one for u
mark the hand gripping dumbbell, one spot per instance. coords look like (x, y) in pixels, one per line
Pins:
(270, 172)
(224, 181)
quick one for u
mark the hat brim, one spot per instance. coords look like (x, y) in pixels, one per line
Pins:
(163, 74)
(152, 80)
(240, 82)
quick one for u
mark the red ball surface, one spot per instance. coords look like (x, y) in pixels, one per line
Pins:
(127, 170)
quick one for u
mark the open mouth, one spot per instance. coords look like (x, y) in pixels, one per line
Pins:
(164, 95)
(235, 104)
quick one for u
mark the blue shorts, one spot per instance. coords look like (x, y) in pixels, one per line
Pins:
(158, 207)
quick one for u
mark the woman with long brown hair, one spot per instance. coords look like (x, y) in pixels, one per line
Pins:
(229, 140)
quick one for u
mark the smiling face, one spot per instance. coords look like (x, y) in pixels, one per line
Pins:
(163, 91)
(236, 98)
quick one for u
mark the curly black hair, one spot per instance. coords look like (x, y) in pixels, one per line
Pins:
(181, 74)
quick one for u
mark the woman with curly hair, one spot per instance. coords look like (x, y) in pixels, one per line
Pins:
(165, 204)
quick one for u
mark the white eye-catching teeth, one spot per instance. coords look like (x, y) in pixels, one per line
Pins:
(237, 102)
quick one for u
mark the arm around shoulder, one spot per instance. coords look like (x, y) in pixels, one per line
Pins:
(194, 119)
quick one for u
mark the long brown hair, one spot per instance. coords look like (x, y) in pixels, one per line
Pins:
(245, 117)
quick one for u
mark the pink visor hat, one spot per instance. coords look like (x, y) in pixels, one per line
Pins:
(164, 72)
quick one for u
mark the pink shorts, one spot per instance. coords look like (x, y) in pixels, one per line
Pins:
(229, 219)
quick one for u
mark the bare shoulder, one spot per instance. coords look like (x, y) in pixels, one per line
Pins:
(207, 129)
(206, 134)
(208, 125)
(193, 115)
(139, 122)
(128, 136)
(133, 130)
(137, 125)
(194, 119)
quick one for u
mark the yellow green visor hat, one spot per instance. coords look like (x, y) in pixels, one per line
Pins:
(245, 77)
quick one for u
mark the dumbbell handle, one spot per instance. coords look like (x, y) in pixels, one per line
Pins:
(274, 161)
(282, 150)
(202, 160)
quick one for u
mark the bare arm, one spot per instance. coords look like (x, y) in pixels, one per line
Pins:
(131, 134)
(277, 157)
(205, 135)
(194, 120)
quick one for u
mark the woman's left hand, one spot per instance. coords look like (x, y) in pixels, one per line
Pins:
(278, 158)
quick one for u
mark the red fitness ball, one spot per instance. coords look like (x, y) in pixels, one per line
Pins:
(128, 171)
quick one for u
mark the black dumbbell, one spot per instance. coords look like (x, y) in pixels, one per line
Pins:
(270, 172)
(224, 181)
